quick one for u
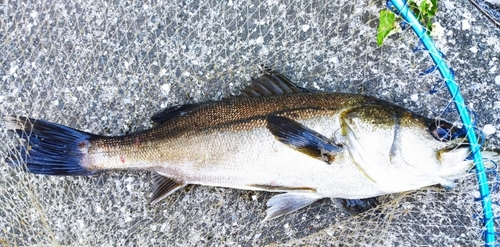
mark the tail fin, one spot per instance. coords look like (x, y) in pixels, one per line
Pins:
(48, 148)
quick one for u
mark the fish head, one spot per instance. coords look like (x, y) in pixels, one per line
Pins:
(395, 146)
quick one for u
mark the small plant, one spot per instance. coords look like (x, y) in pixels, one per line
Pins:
(425, 10)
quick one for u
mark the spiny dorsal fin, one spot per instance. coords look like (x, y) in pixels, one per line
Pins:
(270, 83)
(163, 187)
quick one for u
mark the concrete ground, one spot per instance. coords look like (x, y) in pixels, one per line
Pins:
(107, 67)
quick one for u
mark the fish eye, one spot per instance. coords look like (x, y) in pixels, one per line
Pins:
(443, 132)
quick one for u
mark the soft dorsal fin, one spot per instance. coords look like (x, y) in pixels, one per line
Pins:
(174, 111)
(163, 187)
(270, 83)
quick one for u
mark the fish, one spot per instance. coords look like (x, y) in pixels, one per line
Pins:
(274, 136)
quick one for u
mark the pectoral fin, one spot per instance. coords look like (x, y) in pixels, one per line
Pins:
(356, 206)
(163, 187)
(288, 203)
(302, 138)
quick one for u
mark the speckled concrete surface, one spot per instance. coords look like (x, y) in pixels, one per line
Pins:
(107, 67)
(489, 8)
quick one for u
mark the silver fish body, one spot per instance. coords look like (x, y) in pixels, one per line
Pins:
(276, 138)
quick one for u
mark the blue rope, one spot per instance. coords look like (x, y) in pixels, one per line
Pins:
(488, 219)
(497, 179)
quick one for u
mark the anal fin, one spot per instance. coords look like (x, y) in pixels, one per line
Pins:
(282, 204)
(163, 187)
(356, 206)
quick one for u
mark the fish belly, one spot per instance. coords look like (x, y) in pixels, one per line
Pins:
(255, 160)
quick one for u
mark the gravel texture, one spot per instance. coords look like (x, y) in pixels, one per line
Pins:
(106, 67)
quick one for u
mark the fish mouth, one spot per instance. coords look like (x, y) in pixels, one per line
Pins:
(462, 143)
(455, 159)
(459, 157)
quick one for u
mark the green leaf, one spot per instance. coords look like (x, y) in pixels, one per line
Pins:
(385, 26)
(434, 8)
(425, 11)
